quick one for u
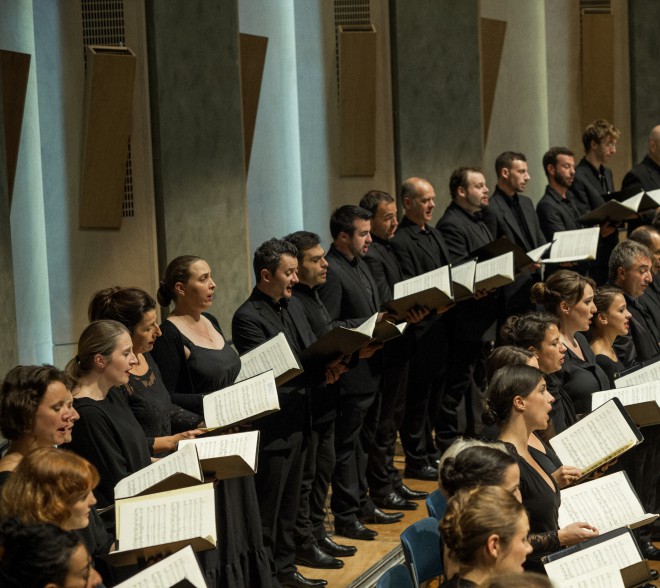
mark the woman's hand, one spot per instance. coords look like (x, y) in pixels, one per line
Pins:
(576, 533)
(566, 475)
(170, 443)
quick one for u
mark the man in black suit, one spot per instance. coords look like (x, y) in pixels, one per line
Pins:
(350, 292)
(510, 214)
(473, 322)
(314, 547)
(268, 311)
(650, 300)
(646, 175)
(630, 270)
(593, 184)
(420, 248)
(386, 486)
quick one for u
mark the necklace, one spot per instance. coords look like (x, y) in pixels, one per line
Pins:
(205, 335)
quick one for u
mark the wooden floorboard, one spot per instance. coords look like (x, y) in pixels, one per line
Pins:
(374, 557)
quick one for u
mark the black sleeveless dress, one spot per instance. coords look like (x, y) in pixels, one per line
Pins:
(241, 559)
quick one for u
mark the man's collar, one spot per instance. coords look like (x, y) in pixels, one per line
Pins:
(353, 261)
(275, 304)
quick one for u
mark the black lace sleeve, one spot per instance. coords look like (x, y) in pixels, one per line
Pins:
(546, 542)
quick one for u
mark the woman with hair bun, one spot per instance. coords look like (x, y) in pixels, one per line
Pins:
(519, 403)
(570, 297)
(195, 359)
(107, 434)
(147, 396)
(44, 556)
(485, 530)
(611, 321)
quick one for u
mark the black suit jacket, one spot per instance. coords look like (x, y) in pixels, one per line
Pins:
(473, 320)
(641, 343)
(587, 188)
(649, 302)
(556, 213)
(384, 266)
(502, 222)
(255, 322)
(414, 258)
(645, 175)
(345, 298)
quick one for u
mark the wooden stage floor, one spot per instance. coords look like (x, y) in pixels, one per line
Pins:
(374, 557)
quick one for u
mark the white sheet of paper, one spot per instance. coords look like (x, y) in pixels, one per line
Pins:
(536, 254)
(620, 552)
(592, 439)
(181, 565)
(498, 266)
(646, 375)
(607, 503)
(274, 354)
(244, 444)
(166, 517)
(628, 395)
(185, 462)
(241, 401)
(604, 577)
(368, 326)
(574, 245)
(464, 274)
(438, 278)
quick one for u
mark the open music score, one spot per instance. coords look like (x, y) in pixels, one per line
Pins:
(642, 401)
(607, 503)
(599, 437)
(164, 522)
(617, 212)
(171, 571)
(645, 375)
(432, 289)
(243, 401)
(573, 245)
(227, 456)
(275, 354)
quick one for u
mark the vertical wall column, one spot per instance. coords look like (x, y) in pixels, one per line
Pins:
(644, 16)
(28, 229)
(437, 98)
(198, 141)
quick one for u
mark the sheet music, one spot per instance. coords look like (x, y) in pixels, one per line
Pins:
(498, 266)
(620, 552)
(595, 439)
(607, 503)
(574, 245)
(166, 517)
(628, 395)
(438, 278)
(243, 444)
(274, 354)
(606, 577)
(182, 565)
(368, 326)
(464, 274)
(185, 462)
(646, 375)
(655, 194)
(537, 253)
(241, 401)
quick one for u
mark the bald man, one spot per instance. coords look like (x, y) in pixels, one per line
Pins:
(420, 248)
(646, 175)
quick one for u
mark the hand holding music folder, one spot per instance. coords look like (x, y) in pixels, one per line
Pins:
(617, 211)
(472, 277)
(274, 354)
(431, 290)
(521, 258)
(576, 245)
(599, 437)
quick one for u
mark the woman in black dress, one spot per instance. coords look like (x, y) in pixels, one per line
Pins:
(612, 319)
(485, 530)
(146, 394)
(519, 403)
(194, 360)
(570, 297)
(107, 434)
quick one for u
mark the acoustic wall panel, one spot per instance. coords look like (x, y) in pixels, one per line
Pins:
(108, 105)
(597, 67)
(357, 100)
(14, 71)
(253, 58)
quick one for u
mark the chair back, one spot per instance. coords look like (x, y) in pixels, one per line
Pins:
(397, 576)
(436, 504)
(421, 548)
